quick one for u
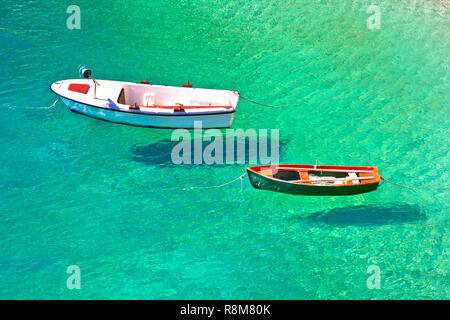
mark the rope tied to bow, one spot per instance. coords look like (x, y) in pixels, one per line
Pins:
(241, 177)
(266, 105)
(49, 107)
(396, 184)
(416, 188)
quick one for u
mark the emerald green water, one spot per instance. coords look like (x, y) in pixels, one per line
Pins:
(106, 197)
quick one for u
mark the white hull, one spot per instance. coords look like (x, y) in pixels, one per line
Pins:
(104, 104)
(146, 120)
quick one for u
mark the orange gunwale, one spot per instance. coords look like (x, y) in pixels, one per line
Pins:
(363, 172)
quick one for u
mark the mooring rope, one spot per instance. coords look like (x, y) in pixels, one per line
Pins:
(49, 107)
(413, 188)
(268, 105)
(241, 177)
(399, 185)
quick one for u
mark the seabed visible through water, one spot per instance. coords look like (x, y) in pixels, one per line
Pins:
(108, 199)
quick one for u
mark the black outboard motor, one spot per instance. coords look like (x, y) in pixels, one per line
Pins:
(85, 72)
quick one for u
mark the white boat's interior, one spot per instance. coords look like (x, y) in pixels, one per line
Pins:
(145, 96)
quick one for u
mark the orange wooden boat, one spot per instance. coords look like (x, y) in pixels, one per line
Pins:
(314, 180)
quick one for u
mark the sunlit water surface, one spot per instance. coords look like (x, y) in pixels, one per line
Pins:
(107, 198)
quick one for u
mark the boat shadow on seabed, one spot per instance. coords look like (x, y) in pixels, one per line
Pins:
(159, 154)
(369, 216)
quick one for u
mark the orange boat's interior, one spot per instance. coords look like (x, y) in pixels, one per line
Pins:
(322, 175)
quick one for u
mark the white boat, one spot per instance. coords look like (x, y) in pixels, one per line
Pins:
(146, 105)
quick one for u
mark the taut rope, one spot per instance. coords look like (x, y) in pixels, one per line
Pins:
(412, 188)
(49, 107)
(399, 185)
(241, 177)
(267, 105)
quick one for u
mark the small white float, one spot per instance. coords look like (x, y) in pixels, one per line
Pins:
(146, 105)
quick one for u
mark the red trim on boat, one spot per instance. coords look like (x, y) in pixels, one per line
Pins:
(79, 87)
(144, 82)
(178, 107)
(188, 85)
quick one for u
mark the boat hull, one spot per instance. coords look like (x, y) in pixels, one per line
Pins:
(266, 183)
(181, 120)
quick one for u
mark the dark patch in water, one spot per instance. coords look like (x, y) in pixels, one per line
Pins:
(159, 154)
(369, 216)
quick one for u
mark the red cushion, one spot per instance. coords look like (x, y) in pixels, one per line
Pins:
(78, 87)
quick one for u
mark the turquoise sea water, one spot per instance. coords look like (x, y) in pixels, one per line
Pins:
(106, 197)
